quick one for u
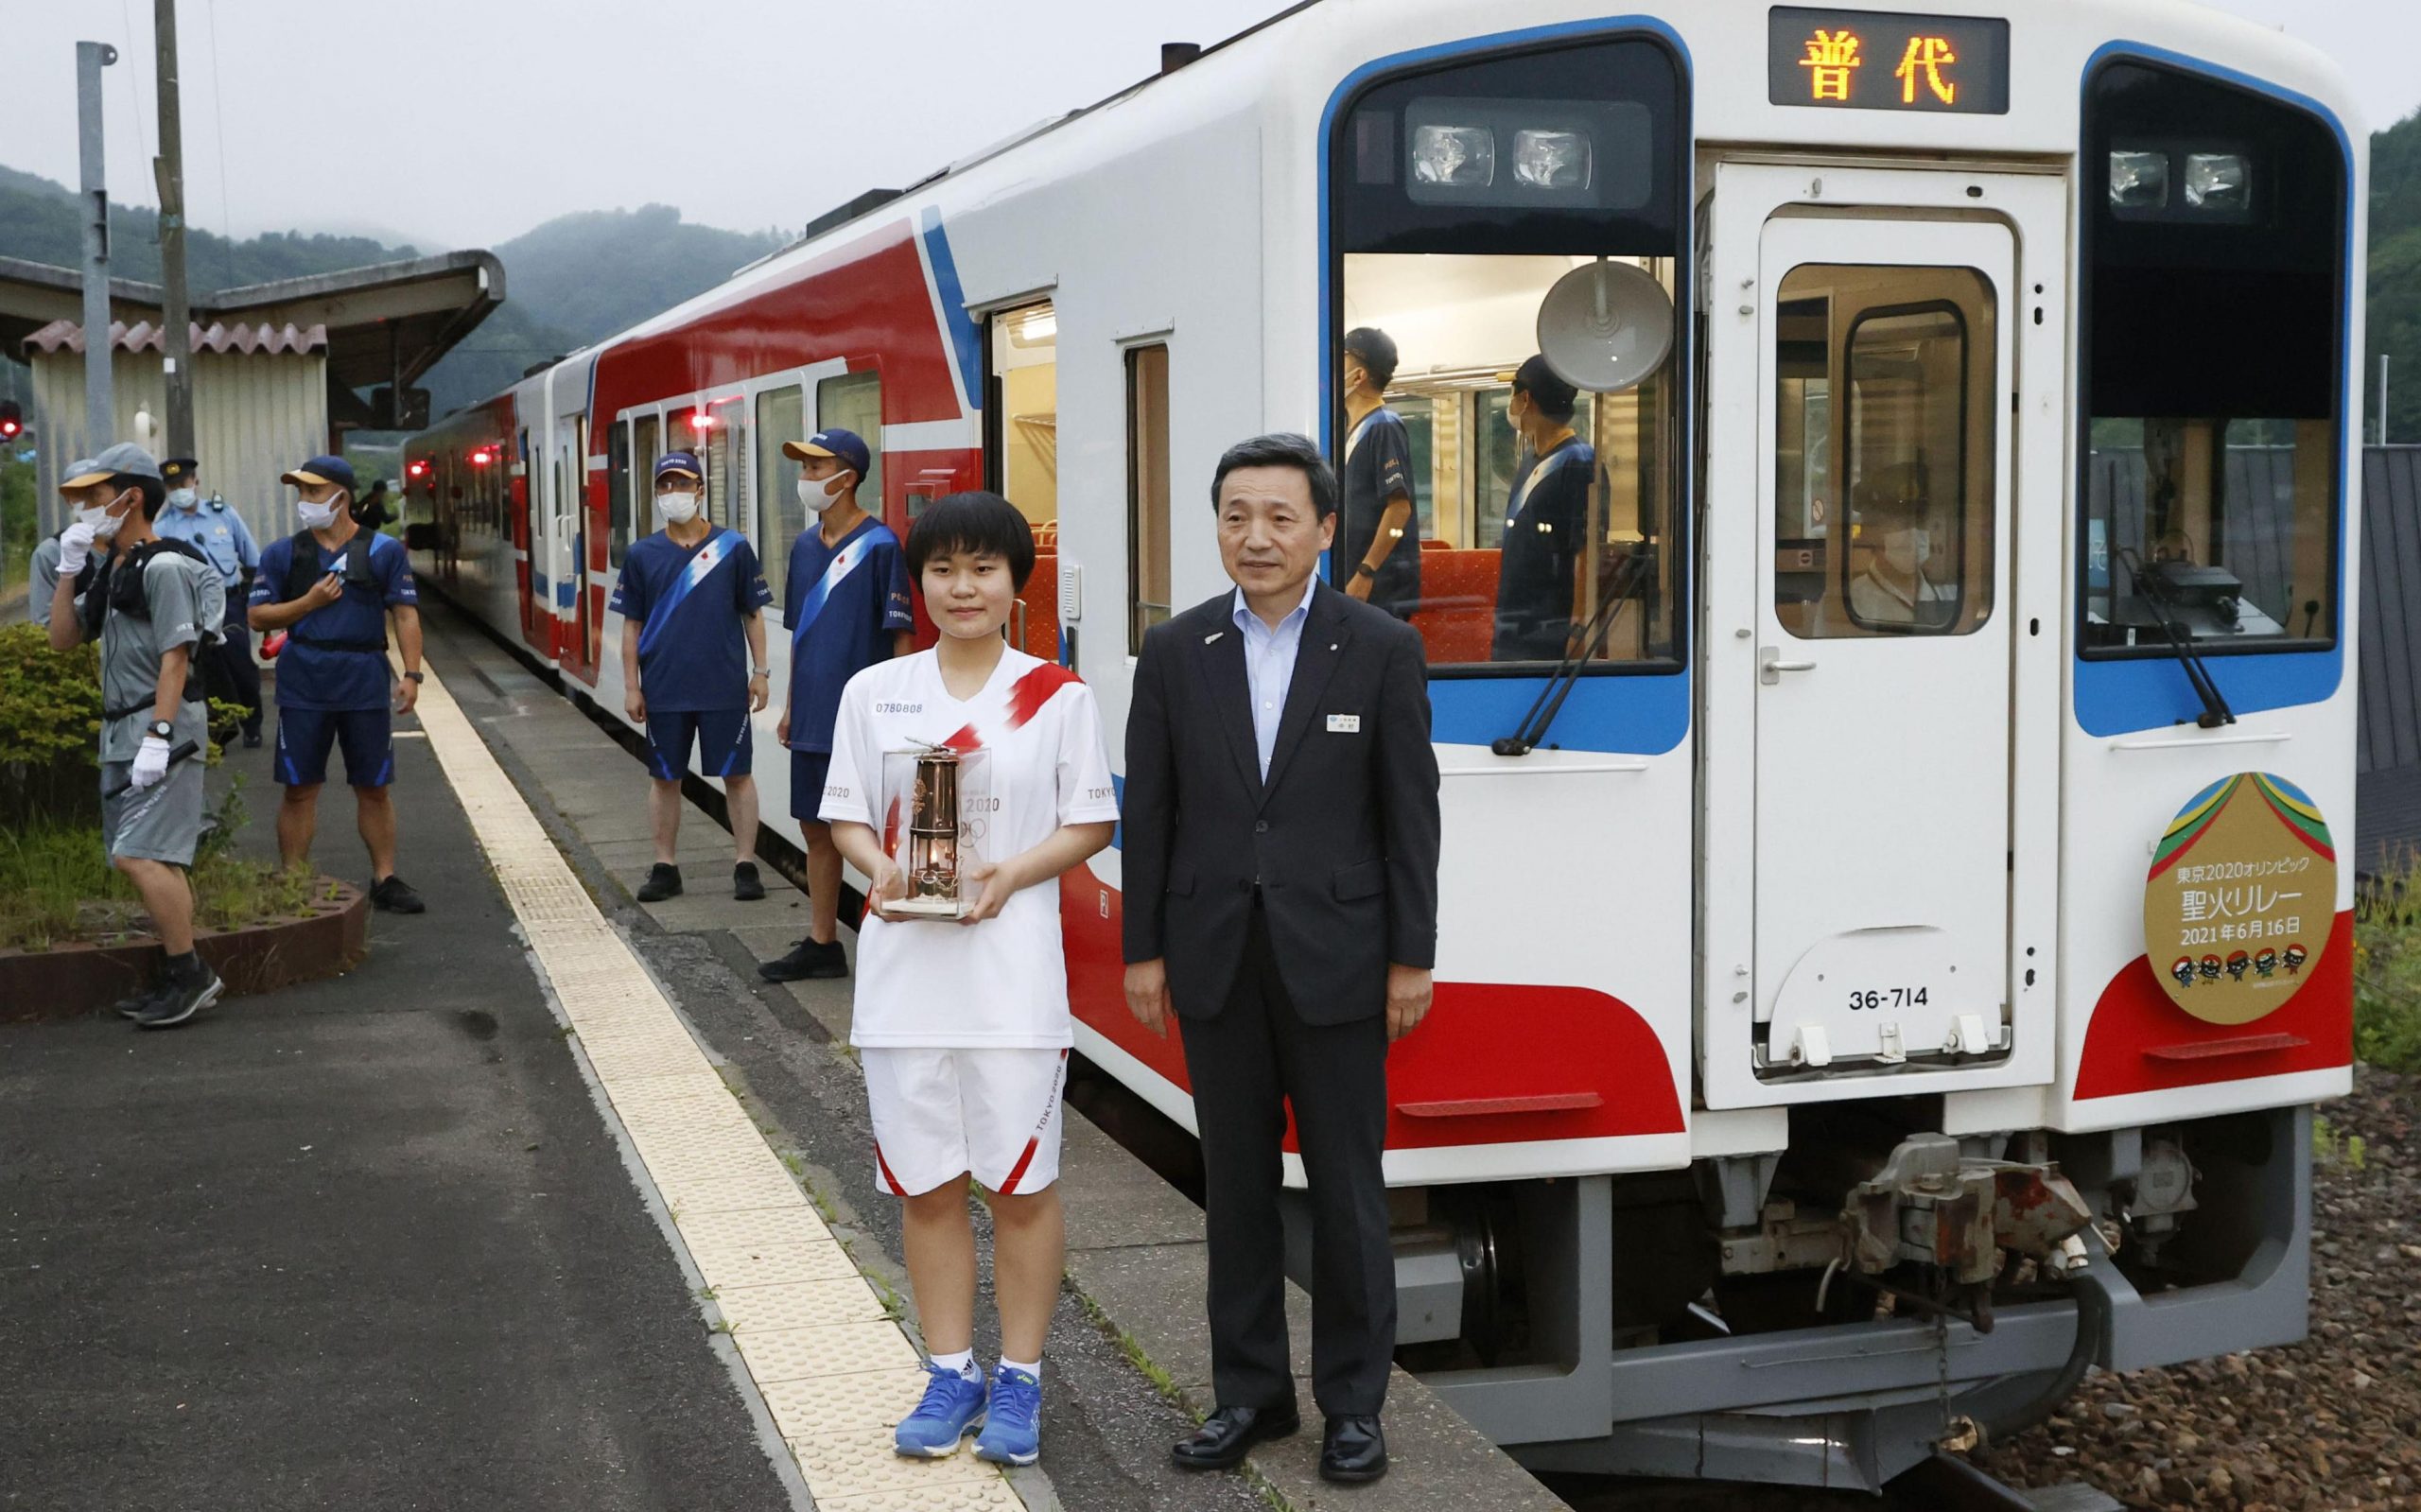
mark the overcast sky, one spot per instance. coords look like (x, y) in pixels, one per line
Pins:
(451, 123)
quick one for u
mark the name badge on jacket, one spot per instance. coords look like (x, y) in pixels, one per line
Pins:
(1345, 724)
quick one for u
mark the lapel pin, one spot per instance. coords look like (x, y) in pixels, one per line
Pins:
(1331, 644)
(1213, 636)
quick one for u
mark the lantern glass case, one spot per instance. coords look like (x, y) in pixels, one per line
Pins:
(941, 802)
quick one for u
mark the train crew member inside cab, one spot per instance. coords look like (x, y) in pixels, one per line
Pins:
(846, 604)
(1280, 860)
(1379, 550)
(330, 586)
(154, 604)
(223, 537)
(1546, 521)
(688, 595)
(1893, 591)
(963, 1026)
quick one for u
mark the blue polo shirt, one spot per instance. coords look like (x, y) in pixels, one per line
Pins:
(324, 677)
(854, 618)
(689, 603)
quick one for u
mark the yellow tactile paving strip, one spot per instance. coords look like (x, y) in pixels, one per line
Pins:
(833, 1368)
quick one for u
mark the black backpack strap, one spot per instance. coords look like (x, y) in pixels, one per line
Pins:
(357, 558)
(302, 566)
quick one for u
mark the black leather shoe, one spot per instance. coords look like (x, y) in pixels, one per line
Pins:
(1354, 1450)
(1229, 1433)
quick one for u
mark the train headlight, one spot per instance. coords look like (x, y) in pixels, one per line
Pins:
(1460, 157)
(2218, 181)
(2138, 181)
(1551, 160)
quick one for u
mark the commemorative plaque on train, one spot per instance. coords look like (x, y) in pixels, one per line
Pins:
(2240, 899)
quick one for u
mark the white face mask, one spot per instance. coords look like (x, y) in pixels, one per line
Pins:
(1905, 551)
(677, 509)
(817, 495)
(186, 498)
(104, 524)
(316, 516)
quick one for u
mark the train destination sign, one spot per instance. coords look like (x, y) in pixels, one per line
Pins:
(1887, 61)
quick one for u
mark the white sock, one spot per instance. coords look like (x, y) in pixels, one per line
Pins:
(963, 1362)
(1035, 1369)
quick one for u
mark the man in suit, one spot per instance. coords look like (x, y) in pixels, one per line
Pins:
(1281, 864)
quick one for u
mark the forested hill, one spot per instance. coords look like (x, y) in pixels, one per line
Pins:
(572, 281)
(2395, 319)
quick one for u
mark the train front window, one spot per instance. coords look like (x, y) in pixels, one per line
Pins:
(1883, 498)
(1507, 417)
(2213, 376)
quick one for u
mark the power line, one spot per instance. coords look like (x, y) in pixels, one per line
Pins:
(134, 91)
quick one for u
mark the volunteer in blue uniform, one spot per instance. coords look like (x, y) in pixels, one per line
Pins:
(1546, 521)
(689, 594)
(330, 586)
(224, 538)
(1378, 542)
(846, 607)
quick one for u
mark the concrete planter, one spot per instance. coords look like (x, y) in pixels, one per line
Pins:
(79, 977)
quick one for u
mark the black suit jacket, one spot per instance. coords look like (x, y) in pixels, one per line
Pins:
(1342, 837)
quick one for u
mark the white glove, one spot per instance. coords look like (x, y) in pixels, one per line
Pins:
(151, 763)
(75, 548)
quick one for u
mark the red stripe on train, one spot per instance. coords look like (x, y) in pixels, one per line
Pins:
(2138, 1039)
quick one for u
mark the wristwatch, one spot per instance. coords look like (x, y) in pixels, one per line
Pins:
(1363, 569)
(161, 729)
(414, 677)
(760, 671)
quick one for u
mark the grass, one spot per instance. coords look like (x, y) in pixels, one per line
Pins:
(55, 886)
(2387, 969)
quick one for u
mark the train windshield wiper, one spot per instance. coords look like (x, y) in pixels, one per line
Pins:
(2149, 587)
(1549, 703)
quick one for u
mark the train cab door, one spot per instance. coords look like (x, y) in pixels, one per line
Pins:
(537, 613)
(571, 535)
(1876, 655)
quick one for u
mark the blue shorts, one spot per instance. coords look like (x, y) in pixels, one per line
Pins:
(724, 749)
(808, 771)
(304, 736)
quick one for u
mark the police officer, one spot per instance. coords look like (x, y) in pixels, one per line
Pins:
(152, 605)
(228, 542)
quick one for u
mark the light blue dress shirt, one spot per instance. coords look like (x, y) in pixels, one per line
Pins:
(219, 532)
(1269, 665)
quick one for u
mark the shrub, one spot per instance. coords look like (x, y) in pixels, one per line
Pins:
(2387, 969)
(50, 724)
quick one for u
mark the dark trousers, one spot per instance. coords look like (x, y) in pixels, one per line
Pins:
(1245, 1065)
(236, 659)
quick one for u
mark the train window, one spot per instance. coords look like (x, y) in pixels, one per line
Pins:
(617, 492)
(2214, 256)
(780, 417)
(1527, 525)
(1883, 500)
(854, 401)
(1025, 376)
(645, 449)
(1149, 592)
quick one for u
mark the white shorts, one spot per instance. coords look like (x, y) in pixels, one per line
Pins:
(991, 1113)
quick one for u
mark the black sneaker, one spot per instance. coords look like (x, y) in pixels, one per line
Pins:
(179, 998)
(806, 960)
(133, 1004)
(395, 896)
(745, 885)
(662, 882)
(252, 739)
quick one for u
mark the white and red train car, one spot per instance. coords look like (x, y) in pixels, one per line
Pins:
(1902, 973)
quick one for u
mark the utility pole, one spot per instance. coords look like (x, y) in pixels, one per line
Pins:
(2382, 398)
(169, 168)
(99, 404)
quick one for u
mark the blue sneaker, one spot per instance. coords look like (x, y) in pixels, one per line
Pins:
(953, 1408)
(1013, 1434)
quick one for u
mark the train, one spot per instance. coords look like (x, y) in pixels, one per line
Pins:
(1892, 944)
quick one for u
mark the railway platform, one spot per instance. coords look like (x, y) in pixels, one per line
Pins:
(553, 1204)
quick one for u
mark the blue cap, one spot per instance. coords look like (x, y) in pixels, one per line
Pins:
(678, 462)
(323, 470)
(844, 444)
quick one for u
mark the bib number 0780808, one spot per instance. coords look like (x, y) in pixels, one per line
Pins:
(1874, 998)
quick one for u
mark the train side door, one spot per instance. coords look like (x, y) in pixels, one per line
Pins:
(537, 612)
(571, 537)
(1889, 783)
